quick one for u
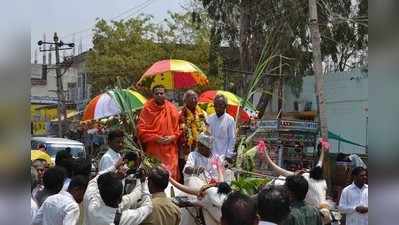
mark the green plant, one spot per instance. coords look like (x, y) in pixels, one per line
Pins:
(264, 62)
(128, 120)
(248, 185)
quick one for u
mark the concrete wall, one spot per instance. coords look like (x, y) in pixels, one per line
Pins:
(71, 76)
(79, 94)
(346, 96)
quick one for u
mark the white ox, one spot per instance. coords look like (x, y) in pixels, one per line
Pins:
(211, 202)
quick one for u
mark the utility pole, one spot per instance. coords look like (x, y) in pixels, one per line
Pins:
(60, 90)
(319, 84)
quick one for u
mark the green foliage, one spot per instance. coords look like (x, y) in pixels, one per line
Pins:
(343, 26)
(248, 185)
(121, 48)
(344, 31)
(246, 24)
(126, 49)
(128, 124)
(245, 154)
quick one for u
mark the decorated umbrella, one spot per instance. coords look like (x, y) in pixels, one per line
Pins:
(173, 74)
(247, 111)
(106, 104)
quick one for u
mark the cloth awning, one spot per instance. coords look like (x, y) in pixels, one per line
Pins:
(337, 137)
(69, 115)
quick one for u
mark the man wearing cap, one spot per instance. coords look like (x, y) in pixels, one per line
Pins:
(202, 162)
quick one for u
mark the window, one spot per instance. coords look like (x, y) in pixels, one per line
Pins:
(72, 92)
(308, 106)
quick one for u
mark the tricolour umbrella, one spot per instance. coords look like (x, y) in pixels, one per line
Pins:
(173, 74)
(247, 110)
(106, 104)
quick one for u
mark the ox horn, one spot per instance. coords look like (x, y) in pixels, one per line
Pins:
(184, 188)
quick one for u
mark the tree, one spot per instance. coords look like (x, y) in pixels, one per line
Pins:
(124, 49)
(127, 48)
(246, 24)
(344, 33)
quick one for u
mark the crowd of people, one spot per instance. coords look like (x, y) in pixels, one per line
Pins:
(189, 144)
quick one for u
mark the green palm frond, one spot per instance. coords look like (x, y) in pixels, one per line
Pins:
(128, 117)
(266, 58)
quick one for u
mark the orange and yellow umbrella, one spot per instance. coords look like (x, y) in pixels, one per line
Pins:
(247, 110)
(173, 74)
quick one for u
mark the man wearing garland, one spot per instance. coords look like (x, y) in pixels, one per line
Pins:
(192, 123)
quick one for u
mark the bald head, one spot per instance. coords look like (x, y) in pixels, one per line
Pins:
(190, 99)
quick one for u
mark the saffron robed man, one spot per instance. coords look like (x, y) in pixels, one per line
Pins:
(158, 130)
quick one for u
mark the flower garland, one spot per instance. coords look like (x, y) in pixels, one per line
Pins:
(194, 124)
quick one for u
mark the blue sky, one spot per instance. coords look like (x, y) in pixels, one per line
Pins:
(67, 17)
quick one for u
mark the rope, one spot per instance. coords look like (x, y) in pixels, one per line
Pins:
(252, 173)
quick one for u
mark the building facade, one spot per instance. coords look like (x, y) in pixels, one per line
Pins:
(44, 96)
(346, 97)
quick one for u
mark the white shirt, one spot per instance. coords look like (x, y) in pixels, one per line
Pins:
(316, 192)
(66, 184)
(351, 198)
(97, 213)
(37, 189)
(266, 223)
(365, 202)
(196, 160)
(108, 160)
(58, 209)
(33, 208)
(223, 130)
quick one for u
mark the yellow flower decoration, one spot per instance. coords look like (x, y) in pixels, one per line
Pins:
(194, 124)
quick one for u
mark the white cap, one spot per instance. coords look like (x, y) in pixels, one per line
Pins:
(205, 140)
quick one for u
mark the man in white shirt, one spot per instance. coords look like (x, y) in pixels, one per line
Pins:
(223, 129)
(109, 159)
(364, 201)
(41, 167)
(105, 205)
(63, 208)
(273, 205)
(353, 201)
(65, 160)
(316, 195)
(53, 180)
(202, 162)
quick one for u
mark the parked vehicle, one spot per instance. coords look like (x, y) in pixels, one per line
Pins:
(54, 145)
